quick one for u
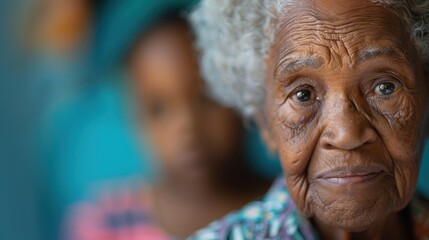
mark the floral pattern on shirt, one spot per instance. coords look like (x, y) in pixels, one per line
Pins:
(274, 217)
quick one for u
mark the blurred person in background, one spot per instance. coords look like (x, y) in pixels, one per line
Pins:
(202, 172)
(60, 26)
(59, 34)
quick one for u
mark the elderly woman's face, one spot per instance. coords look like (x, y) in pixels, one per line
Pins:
(346, 106)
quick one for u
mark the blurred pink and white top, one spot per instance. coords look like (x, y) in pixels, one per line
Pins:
(114, 215)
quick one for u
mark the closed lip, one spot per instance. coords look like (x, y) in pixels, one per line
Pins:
(351, 175)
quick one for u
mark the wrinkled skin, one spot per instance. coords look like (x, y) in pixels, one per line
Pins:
(345, 108)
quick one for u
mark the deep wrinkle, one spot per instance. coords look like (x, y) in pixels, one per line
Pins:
(340, 54)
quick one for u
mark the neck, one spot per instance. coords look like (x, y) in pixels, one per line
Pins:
(394, 226)
(187, 188)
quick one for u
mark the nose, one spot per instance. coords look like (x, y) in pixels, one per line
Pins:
(346, 127)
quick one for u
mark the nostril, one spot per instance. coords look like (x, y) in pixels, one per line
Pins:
(371, 136)
(327, 145)
(347, 138)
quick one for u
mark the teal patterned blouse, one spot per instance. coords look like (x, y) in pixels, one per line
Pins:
(273, 217)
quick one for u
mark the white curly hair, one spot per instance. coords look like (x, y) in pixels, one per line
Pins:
(235, 36)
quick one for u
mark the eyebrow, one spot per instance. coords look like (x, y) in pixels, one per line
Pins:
(375, 52)
(297, 65)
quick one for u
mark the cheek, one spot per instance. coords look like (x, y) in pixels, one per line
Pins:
(294, 132)
(296, 138)
(162, 143)
(400, 131)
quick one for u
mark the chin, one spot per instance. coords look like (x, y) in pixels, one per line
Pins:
(352, 225)
(352, 214)
(352, 217)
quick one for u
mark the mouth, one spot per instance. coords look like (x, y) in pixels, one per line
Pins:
(351, 175)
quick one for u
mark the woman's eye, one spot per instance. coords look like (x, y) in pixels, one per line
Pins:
(385, 88)
(302, 96)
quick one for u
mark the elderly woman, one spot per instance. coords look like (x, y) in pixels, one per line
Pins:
(340, 90)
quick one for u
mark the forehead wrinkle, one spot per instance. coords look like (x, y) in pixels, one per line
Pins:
(311, 21)
(347, 51)
(334, 39)
(340, 39)
(303, 20)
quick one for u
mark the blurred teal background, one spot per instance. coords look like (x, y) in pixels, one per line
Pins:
(423, 184)
(19, 209)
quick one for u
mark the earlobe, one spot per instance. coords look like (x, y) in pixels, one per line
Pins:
(266, 133)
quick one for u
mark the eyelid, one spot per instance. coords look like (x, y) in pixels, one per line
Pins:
(290, 84)
(388, 78)
(371, 91)
(395, 72)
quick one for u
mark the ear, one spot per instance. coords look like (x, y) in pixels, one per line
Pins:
(266, 132)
